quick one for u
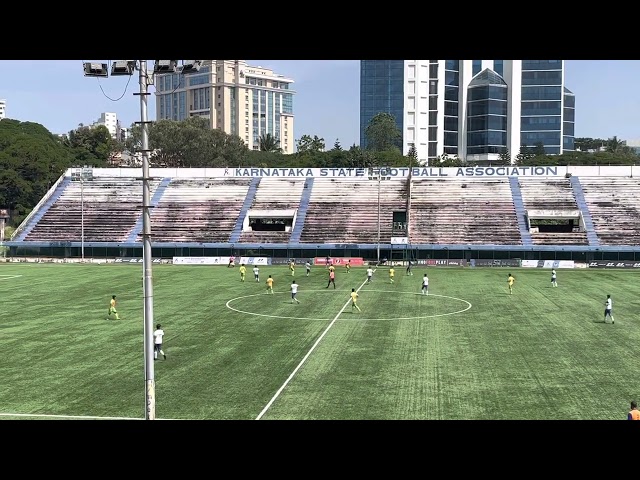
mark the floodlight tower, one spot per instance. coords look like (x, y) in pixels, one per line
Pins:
(127, 67)
(4, 216)
(378, 174)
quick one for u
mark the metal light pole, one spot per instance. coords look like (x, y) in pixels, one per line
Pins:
(378, 174)
(127, 67)
(379, 178)
(150, 385)
(82, 213)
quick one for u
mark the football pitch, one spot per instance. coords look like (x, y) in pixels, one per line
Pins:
(468, 350)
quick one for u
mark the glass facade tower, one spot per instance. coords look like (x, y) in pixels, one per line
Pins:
(473, 109)
(381, 90)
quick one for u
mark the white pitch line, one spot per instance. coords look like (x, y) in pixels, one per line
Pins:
(77, 417)
(9, 277)
(86, 417)
(295, 370)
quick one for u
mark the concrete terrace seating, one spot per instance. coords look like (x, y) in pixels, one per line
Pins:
(111, 208)
(445, 212)
(201, 210)
(553, 238)
(547, 194)
(346, 210)
(274, 194)
(551, 194)
(614, 204)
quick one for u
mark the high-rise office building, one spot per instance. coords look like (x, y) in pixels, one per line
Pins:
(472, 109)
(236, 98)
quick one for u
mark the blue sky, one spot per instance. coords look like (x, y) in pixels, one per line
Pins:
(57, 95)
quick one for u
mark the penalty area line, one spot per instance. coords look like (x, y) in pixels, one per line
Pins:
(313, 347)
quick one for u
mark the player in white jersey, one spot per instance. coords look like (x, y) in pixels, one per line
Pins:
(294, 292)
(369, 274)
(157, 342)
(554, 278)
(608, 308)
(307, 266)
(256, 273)
(425, 285)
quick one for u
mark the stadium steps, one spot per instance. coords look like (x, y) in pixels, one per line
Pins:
(248, 201)
(516, 195)
(302, 210)
(157, 195)
(39, 213)
(592, 237)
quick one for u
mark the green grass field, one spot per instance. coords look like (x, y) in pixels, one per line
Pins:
(469, 350)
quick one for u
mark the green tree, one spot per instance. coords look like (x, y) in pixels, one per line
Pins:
(91, 145)
(505, 157)
(269, 143)
(382, 133)
(524, 154)
(616, 146)
(446, 160)
(359, 158)
(336, 146)
(585, 143)
(538, 150)
(309, 144)
(31, 160)
(412, 156)
(133, 143)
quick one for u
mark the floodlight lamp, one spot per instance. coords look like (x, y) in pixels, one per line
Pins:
(189, 66)
(165, 66)
(123, 67)
(95, 69)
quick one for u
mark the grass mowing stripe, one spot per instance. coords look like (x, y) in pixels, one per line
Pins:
(313, 347)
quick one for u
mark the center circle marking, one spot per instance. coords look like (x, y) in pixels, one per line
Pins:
(468, 306)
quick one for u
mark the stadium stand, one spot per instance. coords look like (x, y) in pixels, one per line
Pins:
(614, 204)
(463, 211)
(274, 194)
(346, 210)
(219, 208)
(111, 209)
(198, 209)
(553, 195)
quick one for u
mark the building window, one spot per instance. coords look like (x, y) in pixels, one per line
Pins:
(433, 133)
(432, 149)
(433, 87)
(476, 67)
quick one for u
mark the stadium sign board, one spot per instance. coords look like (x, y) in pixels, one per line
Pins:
(488, 262)
(355, 261)
(607, 264)
(393, 172)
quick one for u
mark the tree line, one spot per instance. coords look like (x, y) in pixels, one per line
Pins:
(32, 158)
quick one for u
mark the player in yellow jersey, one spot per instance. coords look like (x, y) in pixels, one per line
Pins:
(243, 272)
(332, 268)
(510, 280)
(269, 284)
(392, 273)
(112, 308)
(354, 300)
(348, 265)
(292, 267)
